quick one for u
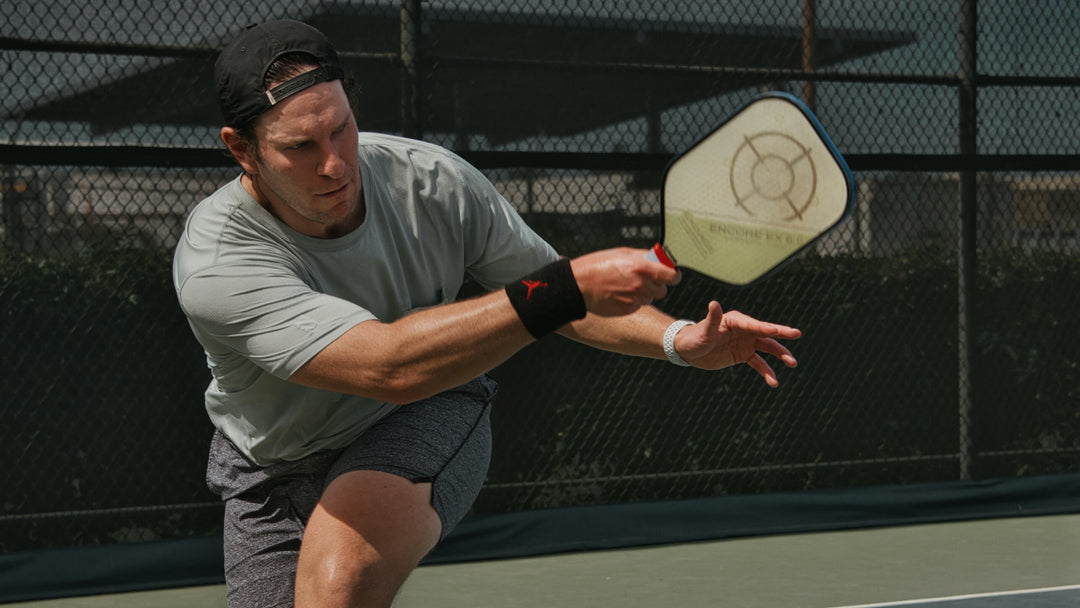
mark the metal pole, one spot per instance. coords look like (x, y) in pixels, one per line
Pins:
(411, 125)
(967, 244)
(809, 50)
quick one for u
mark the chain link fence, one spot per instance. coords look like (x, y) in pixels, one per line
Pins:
(939, 327)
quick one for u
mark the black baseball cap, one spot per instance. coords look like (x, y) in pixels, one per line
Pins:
(242, 65)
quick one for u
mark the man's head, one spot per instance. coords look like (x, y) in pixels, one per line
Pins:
(290, 126)
(241, 71)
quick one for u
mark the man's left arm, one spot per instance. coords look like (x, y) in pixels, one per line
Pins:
(719, 340)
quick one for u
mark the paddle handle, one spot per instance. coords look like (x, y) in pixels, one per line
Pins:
(657, 254)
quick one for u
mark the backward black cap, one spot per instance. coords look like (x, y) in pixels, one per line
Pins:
(241, 67)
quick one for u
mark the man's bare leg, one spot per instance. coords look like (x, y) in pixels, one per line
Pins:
(366, 535)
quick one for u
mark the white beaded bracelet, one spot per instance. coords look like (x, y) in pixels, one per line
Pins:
(669, 342)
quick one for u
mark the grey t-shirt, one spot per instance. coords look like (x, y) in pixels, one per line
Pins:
(263, 299)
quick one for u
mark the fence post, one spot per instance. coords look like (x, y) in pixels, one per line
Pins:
(411, 125)
(809, 51)
(967, 261)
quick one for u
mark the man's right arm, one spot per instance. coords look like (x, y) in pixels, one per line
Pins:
(439, 348)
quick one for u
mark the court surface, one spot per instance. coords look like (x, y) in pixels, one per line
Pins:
(1004, 563)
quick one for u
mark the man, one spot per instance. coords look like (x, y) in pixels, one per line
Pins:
(348, 388)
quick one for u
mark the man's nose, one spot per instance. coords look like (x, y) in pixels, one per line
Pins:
(331, 164)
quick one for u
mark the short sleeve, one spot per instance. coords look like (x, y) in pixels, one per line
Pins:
(266, 315)
(500, 246)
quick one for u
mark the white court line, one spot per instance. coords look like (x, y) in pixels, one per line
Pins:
(965, 597)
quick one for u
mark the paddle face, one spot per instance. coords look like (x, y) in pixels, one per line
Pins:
(754, 193)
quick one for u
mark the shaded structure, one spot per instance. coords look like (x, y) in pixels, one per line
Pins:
(500, 76)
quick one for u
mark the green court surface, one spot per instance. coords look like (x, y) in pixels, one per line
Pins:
(1013, 562)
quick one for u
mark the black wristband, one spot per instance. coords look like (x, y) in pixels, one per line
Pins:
(547, 299)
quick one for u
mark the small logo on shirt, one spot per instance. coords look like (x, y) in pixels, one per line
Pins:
(305, 324)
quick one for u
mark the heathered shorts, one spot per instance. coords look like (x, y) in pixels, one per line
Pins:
(444, 440)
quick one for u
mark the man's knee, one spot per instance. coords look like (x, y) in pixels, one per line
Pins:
(368, 533)
(367, 580)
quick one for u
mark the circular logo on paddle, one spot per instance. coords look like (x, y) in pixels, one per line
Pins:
(773, 177)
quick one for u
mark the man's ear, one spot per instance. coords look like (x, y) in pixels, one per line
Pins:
(241, 148)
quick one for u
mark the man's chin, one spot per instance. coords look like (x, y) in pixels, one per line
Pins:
(347, 214)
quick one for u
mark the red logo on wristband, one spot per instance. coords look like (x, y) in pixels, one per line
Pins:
(532, 285)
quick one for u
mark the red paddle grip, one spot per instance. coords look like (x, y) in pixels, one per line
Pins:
(662, 256)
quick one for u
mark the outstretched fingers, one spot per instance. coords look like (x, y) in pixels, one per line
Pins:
(762, 367)
(764, 370)
(767, 344)
(774, 348)
(737, 320)
(724, 339)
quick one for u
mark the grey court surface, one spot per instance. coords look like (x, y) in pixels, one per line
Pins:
(1003, 563)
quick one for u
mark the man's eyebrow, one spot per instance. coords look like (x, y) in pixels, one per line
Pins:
(285, 140)
(288, 142)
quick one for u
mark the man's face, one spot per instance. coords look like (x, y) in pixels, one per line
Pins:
(304, 167)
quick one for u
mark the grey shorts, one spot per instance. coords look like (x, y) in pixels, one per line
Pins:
(444, 440)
